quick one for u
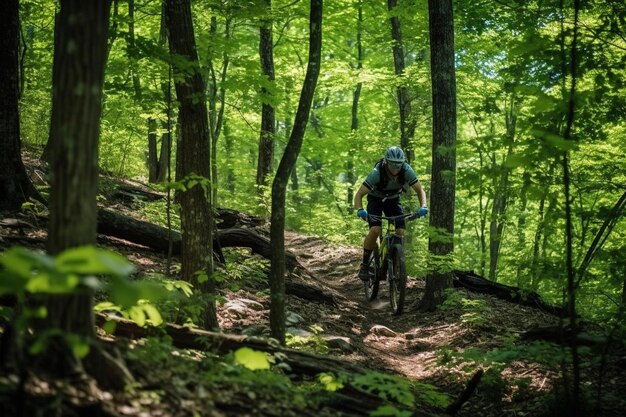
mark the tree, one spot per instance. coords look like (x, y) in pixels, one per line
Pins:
(407, 124)
(15, 185)
(196, 215)
(159, 166)
(354, 125)
(443, 150)
(287, 162)
(78, 74)
(268, 119)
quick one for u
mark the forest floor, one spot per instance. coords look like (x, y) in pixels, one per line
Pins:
(418, 346)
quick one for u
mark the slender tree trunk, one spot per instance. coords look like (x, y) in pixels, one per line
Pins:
(15, 186)
(195, 153)
(268, 122)
(407, 123)
(163, 162)
(569, 264)
(132, 51)
(521, 226)
(79, 60)
(153, 166)
(351, 177)
(287, 163)
(217, 96)
(443, 183)
(501, 193)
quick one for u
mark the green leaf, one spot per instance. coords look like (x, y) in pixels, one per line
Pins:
(330, 382)
(153, 314)
(86, 260)
(252, 359)
(78, 344)
(11, 283)
(22, 262)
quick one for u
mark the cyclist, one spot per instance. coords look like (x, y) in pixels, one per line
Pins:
(383, 186)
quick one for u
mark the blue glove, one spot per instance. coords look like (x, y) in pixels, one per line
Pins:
(362, 214)
(422, 212)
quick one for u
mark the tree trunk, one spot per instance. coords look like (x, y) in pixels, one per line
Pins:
(407, 124)
(443, 182)
(268, 122)
(287, 163)
(132, 50)
(15, 185)
(501, 193)
(350, 175)
(79, 60)
(217, 95)
(153, 161)
(196, 215)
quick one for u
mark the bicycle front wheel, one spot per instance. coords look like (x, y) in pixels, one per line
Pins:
(371, 285)
(396, 274)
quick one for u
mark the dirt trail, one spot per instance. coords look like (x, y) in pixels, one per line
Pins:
(409, 349)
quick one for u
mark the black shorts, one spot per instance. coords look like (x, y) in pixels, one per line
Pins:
(391, 207)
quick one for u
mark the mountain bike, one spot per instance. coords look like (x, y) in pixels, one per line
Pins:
(387, 263)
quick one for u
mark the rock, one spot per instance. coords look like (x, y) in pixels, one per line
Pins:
(235, 309)
(292, 318)
(298, 332)
(256, 330)
(251, 304)
(380, 330)
(339, 342)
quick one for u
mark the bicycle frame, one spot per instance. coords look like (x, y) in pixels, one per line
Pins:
(387, 240)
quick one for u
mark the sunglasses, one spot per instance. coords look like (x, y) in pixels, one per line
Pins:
(395, 165)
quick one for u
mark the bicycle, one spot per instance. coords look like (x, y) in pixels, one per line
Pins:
(387, 263)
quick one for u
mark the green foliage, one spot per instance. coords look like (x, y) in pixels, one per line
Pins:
(475, 311)
(314, 343)
(252, 359)
(26, 272)
(241, 271)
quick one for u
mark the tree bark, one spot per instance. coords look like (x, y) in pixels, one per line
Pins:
(217, 95)
(286, 166)
(268, 122)
(407, 124)
(15, 185)
(78, 75)
(196, 214)
(501, 193)
(354, 126)
(443, 183)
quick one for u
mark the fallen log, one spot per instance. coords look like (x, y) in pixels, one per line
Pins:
(301, 363)
(476, 283)
(563, 336)
(157, 237)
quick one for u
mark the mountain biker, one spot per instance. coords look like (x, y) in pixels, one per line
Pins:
(383, 186)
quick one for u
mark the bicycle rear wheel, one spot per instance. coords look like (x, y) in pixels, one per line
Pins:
(396, 274)
(371, 285)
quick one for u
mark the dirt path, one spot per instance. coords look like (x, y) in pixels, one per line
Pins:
(402, 344)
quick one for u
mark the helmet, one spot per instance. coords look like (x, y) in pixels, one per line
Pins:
(394, 156)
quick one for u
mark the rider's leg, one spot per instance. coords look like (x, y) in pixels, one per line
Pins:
(374, 207)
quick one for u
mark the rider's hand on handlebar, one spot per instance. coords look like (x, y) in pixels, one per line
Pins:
(362, 214)
(422, 212)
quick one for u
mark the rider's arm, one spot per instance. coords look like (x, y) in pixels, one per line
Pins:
(421, 194)
(358, 197)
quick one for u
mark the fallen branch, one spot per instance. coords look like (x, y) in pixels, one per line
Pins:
(476, 283)
(301, 363)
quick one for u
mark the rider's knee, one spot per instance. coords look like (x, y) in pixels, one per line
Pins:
(375, 231)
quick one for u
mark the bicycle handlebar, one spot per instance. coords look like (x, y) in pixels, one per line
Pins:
(408, 216)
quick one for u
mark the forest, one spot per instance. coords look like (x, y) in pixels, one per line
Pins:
(178, 230)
